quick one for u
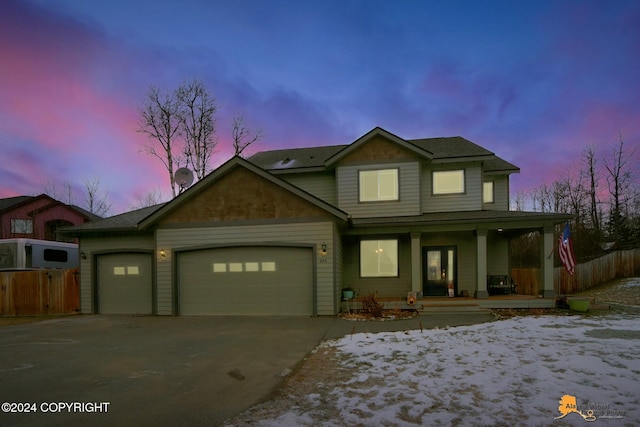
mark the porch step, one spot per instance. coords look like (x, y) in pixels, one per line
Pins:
(448, 308)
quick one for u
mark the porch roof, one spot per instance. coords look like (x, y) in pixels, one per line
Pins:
(487, 218)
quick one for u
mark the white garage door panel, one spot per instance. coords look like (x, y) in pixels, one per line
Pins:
(125, 284)
(246, 281)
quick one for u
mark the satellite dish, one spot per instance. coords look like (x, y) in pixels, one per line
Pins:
(184, 177)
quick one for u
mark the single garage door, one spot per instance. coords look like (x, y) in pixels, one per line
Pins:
(246, 281)
(125, 284)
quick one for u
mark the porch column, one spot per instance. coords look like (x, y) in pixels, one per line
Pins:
(481, 264)
(548, 290)
(416, 263)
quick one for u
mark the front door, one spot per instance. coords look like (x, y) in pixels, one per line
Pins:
(439, 270)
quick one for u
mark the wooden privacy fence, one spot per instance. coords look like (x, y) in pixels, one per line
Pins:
(28, 293)
(612, 266)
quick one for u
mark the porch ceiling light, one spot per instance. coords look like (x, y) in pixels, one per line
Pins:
(499, 229)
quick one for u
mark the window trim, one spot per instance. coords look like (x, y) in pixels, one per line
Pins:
(396, 259)
(436, 192)
(25, 223)
(493, 192)
(379, 172)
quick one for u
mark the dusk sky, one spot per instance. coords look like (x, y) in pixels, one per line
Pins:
(533, 81)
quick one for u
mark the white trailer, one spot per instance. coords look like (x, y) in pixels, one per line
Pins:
(33, 254)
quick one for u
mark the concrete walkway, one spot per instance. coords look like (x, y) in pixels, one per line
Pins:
(161, 371)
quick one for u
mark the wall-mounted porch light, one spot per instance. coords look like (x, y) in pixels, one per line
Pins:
(83, 255)
(323, 249)
(163, 254)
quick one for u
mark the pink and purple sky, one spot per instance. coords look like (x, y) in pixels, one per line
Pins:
(533, 81)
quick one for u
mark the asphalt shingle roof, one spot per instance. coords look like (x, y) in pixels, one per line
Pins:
(127, 221)
(316, 157)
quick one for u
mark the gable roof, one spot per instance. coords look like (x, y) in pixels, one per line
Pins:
(11, 203)
(236, 162)
(441, 149)
(372, 134)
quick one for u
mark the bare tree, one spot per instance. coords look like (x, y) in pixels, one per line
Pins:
(62, 192)
(151, 198)
(590, 161)
(197, 108)
(97, 201)
(619, 180)
(160, 121)
(243, 136)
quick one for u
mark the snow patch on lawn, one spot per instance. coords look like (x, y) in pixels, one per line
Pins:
(509, 372)
(629, 283)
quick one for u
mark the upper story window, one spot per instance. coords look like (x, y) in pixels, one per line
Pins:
(21, 226)
(378, 185)
(487, 192)
(448, 182)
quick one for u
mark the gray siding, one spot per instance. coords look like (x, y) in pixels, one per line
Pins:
(320, 184)
(409, 191)
(89, 245)
(471, 200)
(338, 270)
(317, 233)
(500, 193)
(385, 287)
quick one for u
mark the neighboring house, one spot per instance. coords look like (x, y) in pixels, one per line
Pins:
(38, 217)
(284, 231)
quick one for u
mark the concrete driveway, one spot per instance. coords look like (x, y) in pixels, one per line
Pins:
(173, 371)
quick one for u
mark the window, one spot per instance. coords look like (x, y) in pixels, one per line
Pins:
(130, 270)
(21, 226)
(219, 267)
(238, 267)
(251, 266)
(378, 185)
(378, 258)
(235, 267)
(55, 255)
(448, 182)
(268, 266)
(487, 192)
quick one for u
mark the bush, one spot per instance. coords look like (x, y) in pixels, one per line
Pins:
(371, 305)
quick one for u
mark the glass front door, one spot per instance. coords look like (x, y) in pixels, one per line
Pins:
(439, 270)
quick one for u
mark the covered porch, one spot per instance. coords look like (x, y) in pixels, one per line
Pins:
(446, 259)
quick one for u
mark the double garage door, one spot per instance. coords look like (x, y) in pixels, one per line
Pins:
(246, 281)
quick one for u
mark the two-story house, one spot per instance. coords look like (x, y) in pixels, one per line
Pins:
(38, 217)
(284, 231)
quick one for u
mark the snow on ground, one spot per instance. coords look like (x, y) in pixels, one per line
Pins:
(510, 372)
(629, 283)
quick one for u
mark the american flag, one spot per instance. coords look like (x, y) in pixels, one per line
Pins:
(565, 249)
